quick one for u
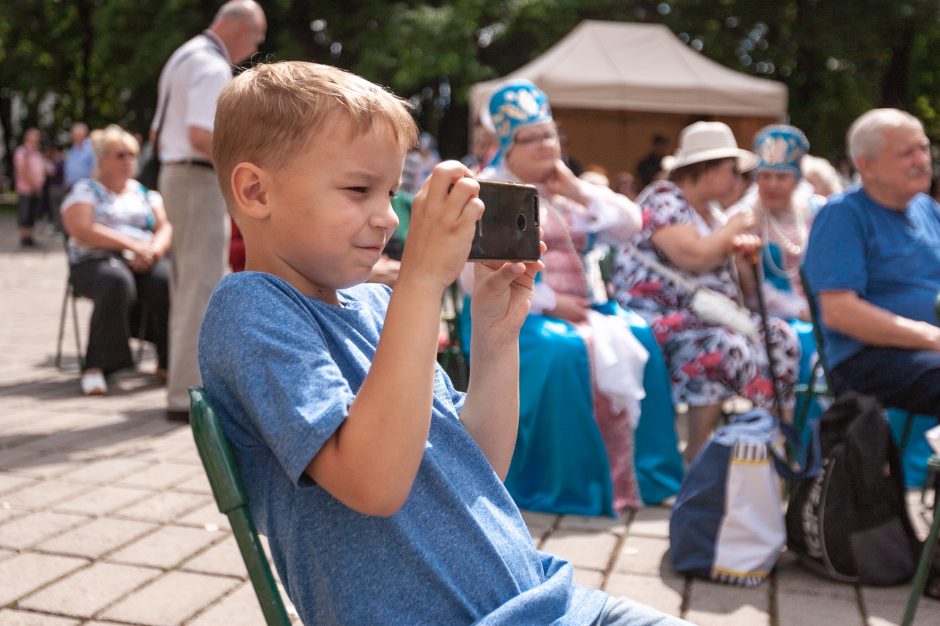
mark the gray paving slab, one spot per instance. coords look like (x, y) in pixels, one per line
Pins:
(660, 592)
(725, 605)
(29, 530)
(27, 572)
(103, 500)
(164, 506)
(44, 494)
(584, 549)
(170, 599)
(239, 608)
(642, 555)
(810, 610)
(650, 522)
(166, 547)
(98, 537)
(223, 558)
(12, 617)
(88, 591)
(207, 517)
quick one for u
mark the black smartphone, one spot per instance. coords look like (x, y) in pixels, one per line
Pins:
(509, 228)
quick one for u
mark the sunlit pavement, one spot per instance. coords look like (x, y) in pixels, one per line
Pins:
(106, 516)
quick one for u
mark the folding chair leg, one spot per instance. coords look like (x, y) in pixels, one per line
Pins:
(141, 333)
(931, 481)
(65, 311)
(78, 336)
(926, 558)
(908, 426)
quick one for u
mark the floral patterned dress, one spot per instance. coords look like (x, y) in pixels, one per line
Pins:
(707, 363)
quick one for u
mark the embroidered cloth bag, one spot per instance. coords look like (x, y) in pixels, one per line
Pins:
(727, 524)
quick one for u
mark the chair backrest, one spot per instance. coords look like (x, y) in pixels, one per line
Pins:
(225, 480)
(817, 327)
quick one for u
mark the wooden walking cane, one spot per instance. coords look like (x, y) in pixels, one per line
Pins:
(756, 266)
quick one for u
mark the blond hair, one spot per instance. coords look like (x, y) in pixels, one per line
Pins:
(270, 113)
(103, 139)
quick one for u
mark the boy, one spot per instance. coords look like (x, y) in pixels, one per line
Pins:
(380, 504)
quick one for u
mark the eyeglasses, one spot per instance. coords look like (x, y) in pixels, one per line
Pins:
(550, 136)
(124, 154)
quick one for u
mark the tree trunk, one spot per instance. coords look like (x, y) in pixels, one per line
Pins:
(894, 85)
(85, 10)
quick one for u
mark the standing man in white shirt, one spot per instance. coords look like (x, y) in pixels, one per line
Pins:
(190, 83)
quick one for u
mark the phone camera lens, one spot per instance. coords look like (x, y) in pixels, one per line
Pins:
(521, 221)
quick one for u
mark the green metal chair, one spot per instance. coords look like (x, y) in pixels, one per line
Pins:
(812, 389)
(926, 555)
(230, 497)
(930, 545)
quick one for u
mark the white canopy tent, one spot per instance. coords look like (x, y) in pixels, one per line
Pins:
(625, 68)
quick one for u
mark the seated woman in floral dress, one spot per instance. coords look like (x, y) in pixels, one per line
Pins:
(684, 231)
(574, 452)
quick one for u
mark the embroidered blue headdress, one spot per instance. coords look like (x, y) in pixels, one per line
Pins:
(514, 105)
(780, 147)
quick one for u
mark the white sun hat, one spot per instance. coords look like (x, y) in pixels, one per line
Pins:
(706, 141)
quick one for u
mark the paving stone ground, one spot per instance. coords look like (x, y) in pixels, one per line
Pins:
(107, 518)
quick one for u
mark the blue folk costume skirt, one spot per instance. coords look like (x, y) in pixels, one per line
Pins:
(560, 463)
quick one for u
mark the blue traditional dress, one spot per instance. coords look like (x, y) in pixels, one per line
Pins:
(574, 452)
(586, 396)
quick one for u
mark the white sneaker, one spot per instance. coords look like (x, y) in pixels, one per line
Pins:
(94, 384)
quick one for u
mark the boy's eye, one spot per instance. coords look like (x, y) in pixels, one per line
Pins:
(358, 189)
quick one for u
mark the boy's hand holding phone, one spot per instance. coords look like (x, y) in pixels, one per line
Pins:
(443, 220)
(501, 296)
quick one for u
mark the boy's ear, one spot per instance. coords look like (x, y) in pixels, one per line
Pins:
(249, 186)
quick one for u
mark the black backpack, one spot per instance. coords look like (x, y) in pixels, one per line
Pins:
(850, 522)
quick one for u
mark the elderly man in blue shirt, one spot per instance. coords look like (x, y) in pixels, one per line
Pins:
(80, 160)
(873, 263)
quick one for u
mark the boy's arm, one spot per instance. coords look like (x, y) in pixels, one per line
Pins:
(500, 303)
(371, 461)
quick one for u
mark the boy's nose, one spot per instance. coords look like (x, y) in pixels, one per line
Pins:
(386, 218)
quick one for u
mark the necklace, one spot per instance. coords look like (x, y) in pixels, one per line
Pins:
(793, 246)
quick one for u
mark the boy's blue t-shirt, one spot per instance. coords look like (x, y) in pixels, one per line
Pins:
(889, 258)
(282, 370)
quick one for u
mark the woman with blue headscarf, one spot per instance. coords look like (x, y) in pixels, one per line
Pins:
(574, 451)
(784, 204)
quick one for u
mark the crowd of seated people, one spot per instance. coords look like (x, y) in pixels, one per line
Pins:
(699, 220)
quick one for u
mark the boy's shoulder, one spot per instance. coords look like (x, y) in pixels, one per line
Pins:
(257, 293)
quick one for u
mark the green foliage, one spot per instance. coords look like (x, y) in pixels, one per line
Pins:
(99, 60)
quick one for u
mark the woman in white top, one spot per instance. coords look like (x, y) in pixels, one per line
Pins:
(118, 238)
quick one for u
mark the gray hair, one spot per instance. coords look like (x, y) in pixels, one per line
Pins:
(821, 175)
(866, 135)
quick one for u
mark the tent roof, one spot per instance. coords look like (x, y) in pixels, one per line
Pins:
(640, 67)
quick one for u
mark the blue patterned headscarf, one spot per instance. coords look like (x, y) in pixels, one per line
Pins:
(516, 104)
(780, 147)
